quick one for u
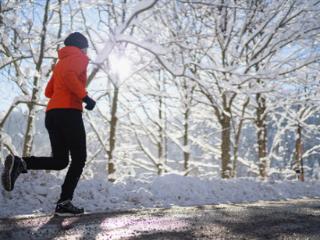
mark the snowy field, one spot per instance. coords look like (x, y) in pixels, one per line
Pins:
(38, 195)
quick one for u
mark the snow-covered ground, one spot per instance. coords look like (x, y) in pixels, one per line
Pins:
(38, 195)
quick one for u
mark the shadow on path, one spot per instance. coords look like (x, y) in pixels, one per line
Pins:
(278, 220)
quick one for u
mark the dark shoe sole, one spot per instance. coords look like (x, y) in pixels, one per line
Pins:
(67, 214)
(6, 175)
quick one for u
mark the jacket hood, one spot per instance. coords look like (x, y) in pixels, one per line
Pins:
(70, 51)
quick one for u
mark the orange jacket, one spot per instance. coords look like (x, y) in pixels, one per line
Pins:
(66, 87)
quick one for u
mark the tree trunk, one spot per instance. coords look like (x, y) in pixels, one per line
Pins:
(261, 134)
(1, 17)
(186, 150)
(28, 141)
(225, 145)
(187, 103)
(160, 144)
(298, 154)
(112, 137)
(237, 139)
(235, 161)
(160, 140)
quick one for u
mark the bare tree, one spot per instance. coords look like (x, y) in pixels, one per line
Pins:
(115, 21)
(241, 57)
(148, 120)
(27, 146)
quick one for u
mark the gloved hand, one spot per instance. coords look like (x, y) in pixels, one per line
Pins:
(90, 103)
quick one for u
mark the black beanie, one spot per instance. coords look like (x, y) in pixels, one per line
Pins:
(76, 39)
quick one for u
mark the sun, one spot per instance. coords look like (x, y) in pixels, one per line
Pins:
(120, 66)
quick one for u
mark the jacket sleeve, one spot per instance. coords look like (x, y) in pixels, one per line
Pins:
(71, 77)
(49, 88)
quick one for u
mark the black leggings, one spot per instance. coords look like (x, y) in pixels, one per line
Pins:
(67, 134)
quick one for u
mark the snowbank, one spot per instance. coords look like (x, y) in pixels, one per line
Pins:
(38, 195)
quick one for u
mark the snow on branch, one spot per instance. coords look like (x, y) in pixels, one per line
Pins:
(105, 52)
(156, 50)
(109, 45)
(16, 102)
(220, 5)
(301, 65)
(309, 152)
(5, 139)
(149, 46)
(139, 8)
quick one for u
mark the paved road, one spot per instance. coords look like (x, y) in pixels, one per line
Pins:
(294, 219)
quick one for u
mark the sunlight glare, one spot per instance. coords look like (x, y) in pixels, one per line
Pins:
(120, 67)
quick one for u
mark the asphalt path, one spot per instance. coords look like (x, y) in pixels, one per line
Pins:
(292, 219)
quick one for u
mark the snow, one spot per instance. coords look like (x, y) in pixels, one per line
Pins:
(7, 141)
(105, 52)
(110, 43)
(39, 194)
(152, 47)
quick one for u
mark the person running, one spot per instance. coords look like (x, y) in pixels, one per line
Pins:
(63, 120)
